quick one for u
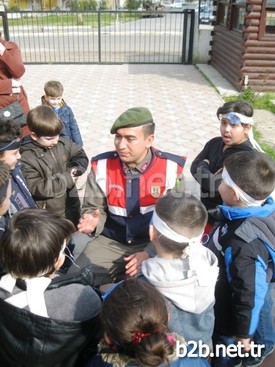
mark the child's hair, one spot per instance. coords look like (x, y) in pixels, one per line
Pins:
(253, 172)
(32, 242)
(4, 180)
(245, 108)
(9, 131)
(43, 121)
(134, 317)
(53, 88)
(185, 214)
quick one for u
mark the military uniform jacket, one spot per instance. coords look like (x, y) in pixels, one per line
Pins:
(243, 243)
(130, 200)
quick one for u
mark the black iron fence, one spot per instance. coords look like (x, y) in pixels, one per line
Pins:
(102, 36)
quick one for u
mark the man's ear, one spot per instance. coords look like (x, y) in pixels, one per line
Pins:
(107, 339)
(236, 196)
(33, 135)
(59, 262)
(150, 140)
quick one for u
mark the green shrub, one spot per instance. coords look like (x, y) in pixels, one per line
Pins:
(132, 4)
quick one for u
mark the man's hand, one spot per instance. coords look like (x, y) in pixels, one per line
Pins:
(245, 343)
(73, 173)
(88, 222)
(134, 262)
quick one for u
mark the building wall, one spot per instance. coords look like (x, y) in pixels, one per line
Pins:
(246, 54)
(226, 54)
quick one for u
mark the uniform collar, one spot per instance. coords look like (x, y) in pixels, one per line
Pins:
(141, 167)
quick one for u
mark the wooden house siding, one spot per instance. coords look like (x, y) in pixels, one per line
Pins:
(254, 56)
(226, 54)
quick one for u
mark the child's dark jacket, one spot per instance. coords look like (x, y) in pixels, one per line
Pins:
(47, 173)
(240, 242)
(21, 197)
(204, 173)
(27, 339)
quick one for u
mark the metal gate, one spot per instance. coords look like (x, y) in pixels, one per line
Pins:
(97, 37)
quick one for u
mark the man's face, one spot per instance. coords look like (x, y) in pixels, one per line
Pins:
(233, 134)
(46, 141)
(131, 144)
(11, 157)
(54, 102)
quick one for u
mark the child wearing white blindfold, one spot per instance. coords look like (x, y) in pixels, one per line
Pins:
(184, 271)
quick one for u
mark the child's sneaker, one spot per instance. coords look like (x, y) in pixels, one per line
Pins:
(257, 361)
(238, 362)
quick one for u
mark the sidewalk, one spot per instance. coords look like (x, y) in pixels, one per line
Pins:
(182, 102)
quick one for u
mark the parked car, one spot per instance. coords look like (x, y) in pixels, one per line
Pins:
(206, 14)
(176, 5)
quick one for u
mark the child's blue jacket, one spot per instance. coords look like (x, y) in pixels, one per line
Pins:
(244, 242)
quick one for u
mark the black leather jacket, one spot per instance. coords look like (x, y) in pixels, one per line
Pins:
(29, 340)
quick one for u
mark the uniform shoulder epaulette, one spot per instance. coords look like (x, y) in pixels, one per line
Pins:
(173, 157)
(105, 155)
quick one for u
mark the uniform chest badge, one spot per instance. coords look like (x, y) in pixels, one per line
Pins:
(155, 191)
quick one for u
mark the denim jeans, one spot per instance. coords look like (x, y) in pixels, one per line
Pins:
(265, 333)
(224, 360)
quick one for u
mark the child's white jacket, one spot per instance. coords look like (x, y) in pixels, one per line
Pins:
(188, 282)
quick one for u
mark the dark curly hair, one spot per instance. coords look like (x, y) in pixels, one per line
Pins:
(136, 306)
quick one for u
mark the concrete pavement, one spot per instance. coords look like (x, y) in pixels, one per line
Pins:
(182, 102)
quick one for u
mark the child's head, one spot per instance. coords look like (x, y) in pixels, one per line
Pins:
(10, 134)
(34, 242)
(44, 125)
(242, 107)
(176, 220)
(248, 178)
(53, 93)
(134, 318)
(5, 187)
(236, 122)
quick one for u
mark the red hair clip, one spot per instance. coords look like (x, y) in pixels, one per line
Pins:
(138, 337)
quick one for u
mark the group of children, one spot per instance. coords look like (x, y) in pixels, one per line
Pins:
(216, 293)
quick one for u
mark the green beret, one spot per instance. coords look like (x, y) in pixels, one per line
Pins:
(133, 117)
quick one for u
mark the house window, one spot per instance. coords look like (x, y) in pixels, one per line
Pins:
(231, 14)
(238, 15)
(270, 17)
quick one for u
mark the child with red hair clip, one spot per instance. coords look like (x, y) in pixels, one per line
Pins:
(134, 318)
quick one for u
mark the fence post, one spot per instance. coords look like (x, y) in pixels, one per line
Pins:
(5, 25)
(188, 36)
(191, 37)
(99, 37)
(184, 36)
